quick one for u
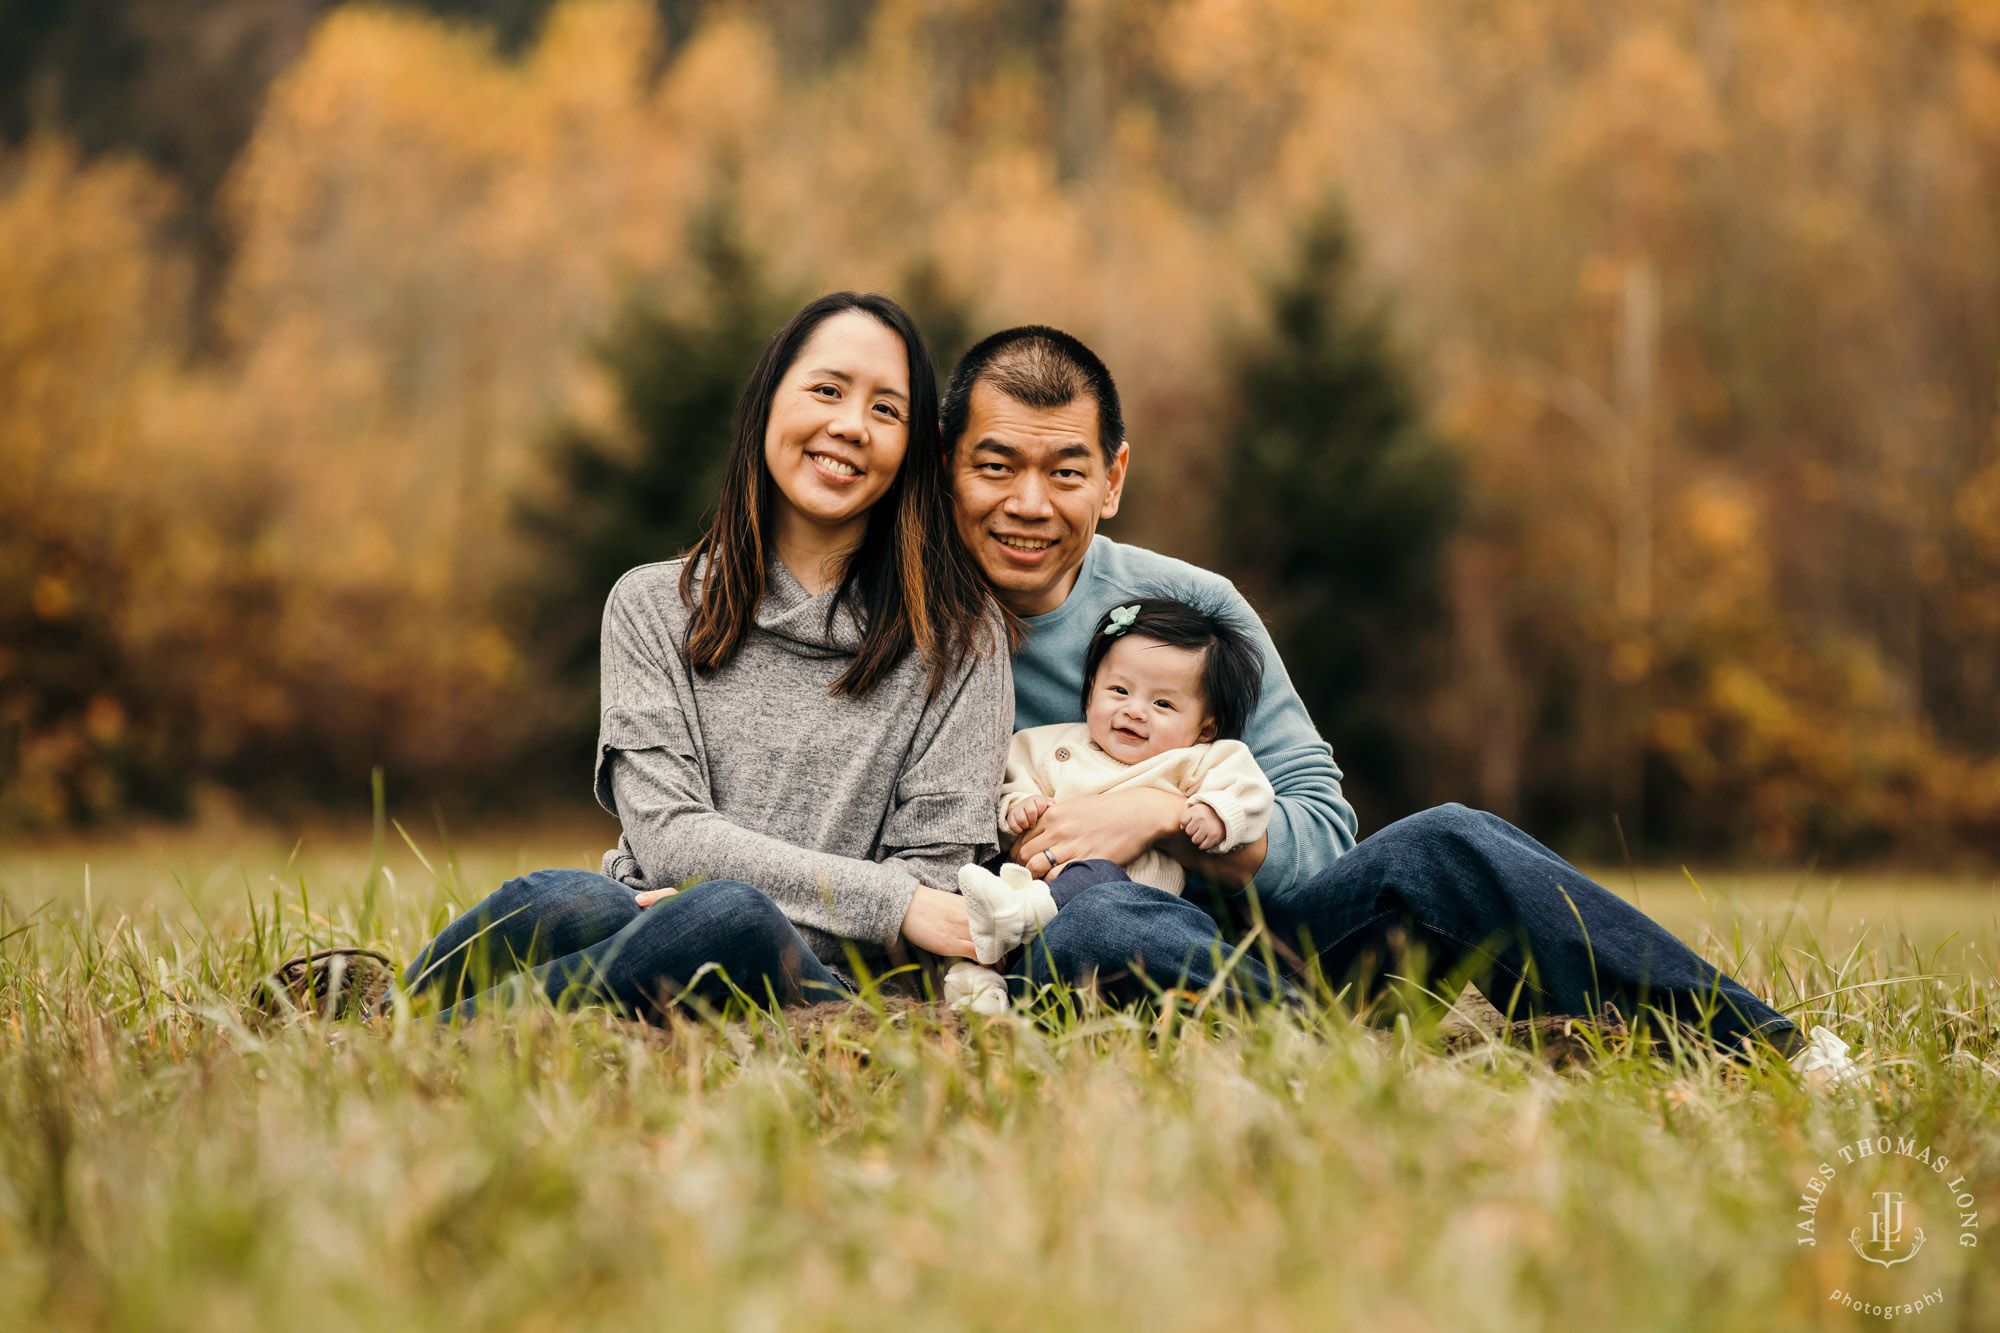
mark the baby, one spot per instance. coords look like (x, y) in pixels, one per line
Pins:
(1167, 689)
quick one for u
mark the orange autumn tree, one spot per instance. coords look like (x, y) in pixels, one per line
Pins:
(91, 314)
(1702, 297)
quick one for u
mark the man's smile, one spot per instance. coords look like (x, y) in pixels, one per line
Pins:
(1029, 544)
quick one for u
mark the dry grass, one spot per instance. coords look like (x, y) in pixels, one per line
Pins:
(167, 1165)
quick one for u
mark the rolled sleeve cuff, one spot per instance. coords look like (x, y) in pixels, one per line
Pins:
(932, 820)
(899, 889)
(1233, 819)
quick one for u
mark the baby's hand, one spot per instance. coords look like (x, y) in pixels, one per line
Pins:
(1203, 826)
(1027, 813)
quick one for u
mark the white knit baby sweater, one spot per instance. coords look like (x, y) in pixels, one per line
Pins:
(1061, 762)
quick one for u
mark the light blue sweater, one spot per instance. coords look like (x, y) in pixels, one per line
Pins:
(1312, 823)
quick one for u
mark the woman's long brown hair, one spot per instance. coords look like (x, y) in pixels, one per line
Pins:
(910, 583)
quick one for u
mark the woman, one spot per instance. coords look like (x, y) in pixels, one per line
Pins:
(807, 714)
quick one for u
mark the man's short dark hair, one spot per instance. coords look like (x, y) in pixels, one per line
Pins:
(1038, 367)
(1232, 671)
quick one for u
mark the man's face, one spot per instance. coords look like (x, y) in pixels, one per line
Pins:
(1030, 486)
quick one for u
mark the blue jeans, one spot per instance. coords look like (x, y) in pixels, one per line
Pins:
(582, 938)
(1447, 891)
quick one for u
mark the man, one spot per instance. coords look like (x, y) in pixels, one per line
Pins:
(1039, 458)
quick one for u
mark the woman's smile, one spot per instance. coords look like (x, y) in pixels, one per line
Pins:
(834, 469)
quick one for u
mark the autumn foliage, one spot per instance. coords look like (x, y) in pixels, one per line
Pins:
(1704, 301)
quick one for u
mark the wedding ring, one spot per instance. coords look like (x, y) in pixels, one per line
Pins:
(1050, 856)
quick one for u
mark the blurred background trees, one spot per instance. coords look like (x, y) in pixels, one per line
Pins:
(1633, 455)
(1335, 506)
(640, 492)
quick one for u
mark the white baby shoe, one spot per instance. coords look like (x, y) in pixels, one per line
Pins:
(1005, 910)
(1825, 1062)
(980, 989)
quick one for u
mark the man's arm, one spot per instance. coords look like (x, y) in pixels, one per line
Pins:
(1116, 826)
(1120, 827)
(1226, 785)
(1229, 870)
(1312, 824)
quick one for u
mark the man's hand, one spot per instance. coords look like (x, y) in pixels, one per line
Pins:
(1116, 827)
(1026, 812)
(1203, 826)
(936, 921)
(1228, 870)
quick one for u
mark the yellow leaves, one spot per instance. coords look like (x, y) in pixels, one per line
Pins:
(494, 657)
(1015, 224)
(429, 236)
(1721, 519)
(1978, 79)
(413, 105)
(104, 721)
(1810, 742)
(89, 304)
(595, 59)
(1631, 660)
(1762, 714)
(52, 598)
(724, 89)
(1650, 99)
(1227, 45)
(1977, 507)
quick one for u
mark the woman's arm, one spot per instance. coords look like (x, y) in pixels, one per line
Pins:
(942, 815)
(674, 835)
(651, 774)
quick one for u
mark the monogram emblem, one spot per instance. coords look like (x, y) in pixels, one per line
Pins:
(1885, 1232)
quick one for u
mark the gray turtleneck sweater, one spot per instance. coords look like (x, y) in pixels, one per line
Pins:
(836, 807)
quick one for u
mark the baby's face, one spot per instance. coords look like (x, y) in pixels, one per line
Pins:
(1147, 699)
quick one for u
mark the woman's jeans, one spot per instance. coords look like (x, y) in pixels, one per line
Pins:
(581, 938)
(1448, 893)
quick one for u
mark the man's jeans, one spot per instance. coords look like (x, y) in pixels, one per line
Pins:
(1455, 891)
(582, 939)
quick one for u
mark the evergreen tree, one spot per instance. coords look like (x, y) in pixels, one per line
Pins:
(1339, 503)
(678, 374)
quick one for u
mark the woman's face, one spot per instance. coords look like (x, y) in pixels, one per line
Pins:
(840, 423)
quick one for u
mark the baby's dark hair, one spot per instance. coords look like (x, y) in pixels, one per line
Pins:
(1232, 671)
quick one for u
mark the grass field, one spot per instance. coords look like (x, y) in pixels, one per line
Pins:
(170, 1164)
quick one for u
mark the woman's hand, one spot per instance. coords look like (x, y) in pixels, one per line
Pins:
(1117, 826)
(651, 896)
(936, 921)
